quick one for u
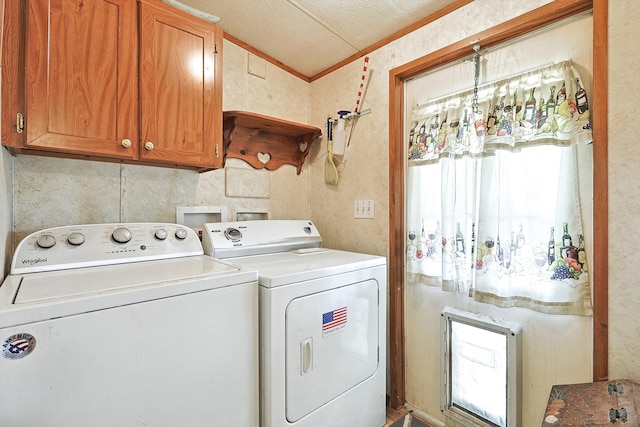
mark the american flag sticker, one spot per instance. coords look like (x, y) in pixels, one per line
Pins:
(334, 320)
(18, 346)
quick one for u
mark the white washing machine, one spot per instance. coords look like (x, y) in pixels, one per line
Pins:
(323, 323)
(126, 325)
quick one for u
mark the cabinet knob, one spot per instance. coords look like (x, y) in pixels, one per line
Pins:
(126, 143)
(149, 145)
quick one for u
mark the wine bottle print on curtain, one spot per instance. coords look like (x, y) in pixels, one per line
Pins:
(498, 210)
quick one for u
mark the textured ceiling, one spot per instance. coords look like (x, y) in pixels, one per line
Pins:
(310, 36)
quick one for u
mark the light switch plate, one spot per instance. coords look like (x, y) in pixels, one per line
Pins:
(364, 209)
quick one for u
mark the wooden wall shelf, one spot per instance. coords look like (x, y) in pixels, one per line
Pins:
(267, 142)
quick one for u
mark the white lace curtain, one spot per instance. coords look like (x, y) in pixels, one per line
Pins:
(494, 198)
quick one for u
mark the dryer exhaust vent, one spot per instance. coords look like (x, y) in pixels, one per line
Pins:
(481, 370)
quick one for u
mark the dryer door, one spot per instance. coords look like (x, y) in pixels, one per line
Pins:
(331, 345)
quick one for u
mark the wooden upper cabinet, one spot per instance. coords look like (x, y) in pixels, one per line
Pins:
(127, 80)
(180, 88)
(81, 77)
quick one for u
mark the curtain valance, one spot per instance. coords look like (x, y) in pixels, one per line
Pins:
(548, 105)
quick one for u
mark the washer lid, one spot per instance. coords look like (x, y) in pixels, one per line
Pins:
(99, 280)
(40, 296)
(285, 268)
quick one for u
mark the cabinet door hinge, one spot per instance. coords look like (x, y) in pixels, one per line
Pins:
(19, 122)
(216, 151)
(215, 48)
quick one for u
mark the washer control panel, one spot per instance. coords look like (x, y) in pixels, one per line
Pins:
(243, 238)
(91, 245)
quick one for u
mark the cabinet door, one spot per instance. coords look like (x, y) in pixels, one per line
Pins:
(180, 92)
(81, 83)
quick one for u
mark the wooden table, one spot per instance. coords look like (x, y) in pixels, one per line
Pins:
(605, 403)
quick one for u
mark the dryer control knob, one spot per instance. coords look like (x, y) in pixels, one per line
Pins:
(181, 233)
(161, 234)
(233, 234)
(76, 238)
(121, 235)
(46, 241)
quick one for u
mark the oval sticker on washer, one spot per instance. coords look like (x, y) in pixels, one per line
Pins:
(18, 346)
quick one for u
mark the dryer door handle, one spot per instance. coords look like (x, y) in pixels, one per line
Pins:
(306, 356)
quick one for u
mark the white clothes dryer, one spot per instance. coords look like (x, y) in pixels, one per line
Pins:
(109, 325)
(322, 323)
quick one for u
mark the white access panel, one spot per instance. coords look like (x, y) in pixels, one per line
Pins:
(331, 345)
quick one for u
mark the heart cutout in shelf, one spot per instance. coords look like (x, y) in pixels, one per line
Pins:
(303, 146)
(264, 158)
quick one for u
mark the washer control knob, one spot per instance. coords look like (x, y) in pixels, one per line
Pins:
(46, 241)
(233, 234)
(161, 234)
(121, 235)
(76, 238)
(181, 234)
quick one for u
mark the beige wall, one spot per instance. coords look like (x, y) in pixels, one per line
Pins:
(624, 191)
(6, 201)
(6, 218)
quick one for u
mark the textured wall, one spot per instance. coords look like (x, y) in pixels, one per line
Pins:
(624, 191)
(6, 200)
(6, 217)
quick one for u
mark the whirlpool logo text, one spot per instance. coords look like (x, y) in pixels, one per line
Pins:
(34, 261)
